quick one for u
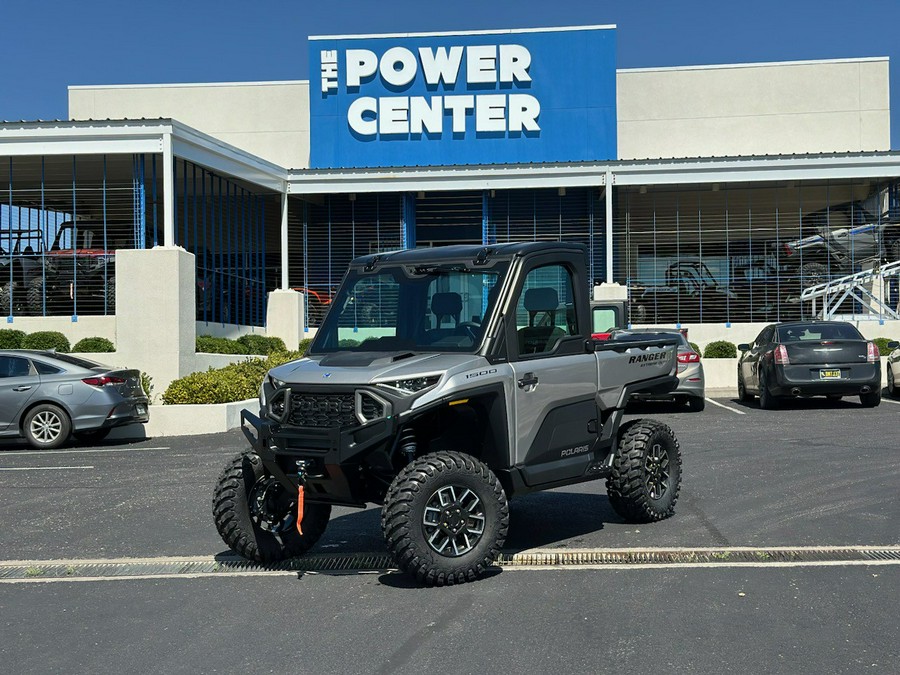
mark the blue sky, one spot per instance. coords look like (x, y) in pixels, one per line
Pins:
(45, 46)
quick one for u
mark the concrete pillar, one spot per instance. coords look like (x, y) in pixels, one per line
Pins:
(285, 316)
(156, 326)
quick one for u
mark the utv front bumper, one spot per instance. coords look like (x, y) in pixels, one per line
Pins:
(329, 459)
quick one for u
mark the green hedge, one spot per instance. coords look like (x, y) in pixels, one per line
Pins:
(46, 339)
(695, 347)
(261, 344)
(219, 345)
(720, 349)
(882, 343)
(94, 344)
(303, 347)
(11, 339)
(235, 382)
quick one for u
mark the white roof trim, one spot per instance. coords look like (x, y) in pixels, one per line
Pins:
(505, 31)
(173, 85)
(762, 64)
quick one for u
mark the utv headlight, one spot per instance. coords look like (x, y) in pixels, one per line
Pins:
(412, 385)
(275, 382)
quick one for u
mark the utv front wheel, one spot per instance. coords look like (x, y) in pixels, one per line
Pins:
(445, 518)
(257, 516)
(646, 473)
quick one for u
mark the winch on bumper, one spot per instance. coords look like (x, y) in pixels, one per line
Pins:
(323, 435)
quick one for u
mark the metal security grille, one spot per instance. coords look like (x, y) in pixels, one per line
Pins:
(324, 237)
(571, 215)
(323, 410)
(62, 218)
(449, 218)
(712, 254)
(222, 223)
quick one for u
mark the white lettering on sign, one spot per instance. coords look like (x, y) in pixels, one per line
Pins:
(398, 67)
(329, 70)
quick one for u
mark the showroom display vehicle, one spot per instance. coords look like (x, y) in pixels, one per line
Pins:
(474, 380)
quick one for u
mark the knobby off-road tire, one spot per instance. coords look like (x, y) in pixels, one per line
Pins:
(8, 292)
(231, 511)
(436, 495)
(813, 274)
(646, 472)
(34, 297)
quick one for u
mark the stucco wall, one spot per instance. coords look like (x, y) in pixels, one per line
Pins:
(268, 119)
(754, 109)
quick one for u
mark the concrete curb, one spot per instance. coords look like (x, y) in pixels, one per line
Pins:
(187, 420)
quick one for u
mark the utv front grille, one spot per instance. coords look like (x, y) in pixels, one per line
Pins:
(326, 411)
(370, 407)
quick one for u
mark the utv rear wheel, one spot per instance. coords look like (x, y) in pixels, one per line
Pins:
(256, 515)
(8, 292)
(445, 518)
(646, 473)
(34, 297)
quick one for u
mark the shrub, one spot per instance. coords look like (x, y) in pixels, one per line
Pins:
(46, 339)
(720, 349)
(219, 345)
(695, 347)
(347, 343)
(261, 344)
(882, 343)
(11, 339)
(94, 344)
(235, 382)
(303, 347)
(147, 384)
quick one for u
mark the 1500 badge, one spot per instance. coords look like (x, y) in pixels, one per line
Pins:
(480, 373)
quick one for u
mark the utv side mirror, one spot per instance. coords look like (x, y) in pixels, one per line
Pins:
(744, 347)
(893, 344)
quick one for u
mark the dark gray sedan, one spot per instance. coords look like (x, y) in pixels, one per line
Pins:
(47, 397)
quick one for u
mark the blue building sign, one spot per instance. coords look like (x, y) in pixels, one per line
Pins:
(492, 97)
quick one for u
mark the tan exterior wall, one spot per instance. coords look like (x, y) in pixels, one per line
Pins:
(754, 109)
(268, 119)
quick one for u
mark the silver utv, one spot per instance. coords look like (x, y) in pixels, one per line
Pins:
(442, 383)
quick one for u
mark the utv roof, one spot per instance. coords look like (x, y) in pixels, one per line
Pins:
(457, 253)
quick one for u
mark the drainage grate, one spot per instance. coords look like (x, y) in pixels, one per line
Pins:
(381, 562)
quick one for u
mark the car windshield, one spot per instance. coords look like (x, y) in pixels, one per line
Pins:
(820, 331)
(426, 308)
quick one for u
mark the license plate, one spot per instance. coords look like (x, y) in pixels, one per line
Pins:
(829, 374)
(140, 409)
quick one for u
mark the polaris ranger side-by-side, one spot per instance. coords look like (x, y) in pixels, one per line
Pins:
(475, 381)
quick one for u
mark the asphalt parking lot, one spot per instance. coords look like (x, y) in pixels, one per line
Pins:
(816, 473)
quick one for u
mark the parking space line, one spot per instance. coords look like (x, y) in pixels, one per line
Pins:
(42, 468)
(722, 405)
(22, 453)
(887, 400)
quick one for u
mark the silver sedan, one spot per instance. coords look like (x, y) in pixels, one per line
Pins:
(691, 385)
(47, 397)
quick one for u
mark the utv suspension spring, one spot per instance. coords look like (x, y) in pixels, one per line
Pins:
(407, 444)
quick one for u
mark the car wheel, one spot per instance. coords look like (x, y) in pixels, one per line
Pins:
(257, 516)
(46, 426)
(813, 274)
(766, 400)
(696, 403)
(646, 473)
(445, 518)
(743, 395)
(870, 400)
(92, 435)
(891, 384)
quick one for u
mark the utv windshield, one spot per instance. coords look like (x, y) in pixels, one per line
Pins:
(438, 308)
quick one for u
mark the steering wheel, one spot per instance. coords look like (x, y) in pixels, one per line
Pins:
(472, 330)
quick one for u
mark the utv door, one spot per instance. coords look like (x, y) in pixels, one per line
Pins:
(556, 379)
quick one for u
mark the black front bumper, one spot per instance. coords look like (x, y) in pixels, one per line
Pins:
(331, 458)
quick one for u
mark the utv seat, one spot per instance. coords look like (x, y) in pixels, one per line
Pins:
(446, 307)
(540, 335)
